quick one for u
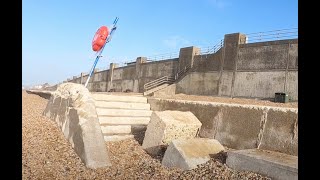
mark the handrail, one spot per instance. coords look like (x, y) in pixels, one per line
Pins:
(182, 72)
(159, 81)
(273, 35)
(212, 49)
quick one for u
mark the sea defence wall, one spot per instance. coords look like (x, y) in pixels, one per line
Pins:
(241, 126)
(236, 69)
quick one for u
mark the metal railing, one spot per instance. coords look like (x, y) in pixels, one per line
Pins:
(158, 82)
(182, 72)
(212, 49)
(291, 33)
(164, 56)
(166, 79)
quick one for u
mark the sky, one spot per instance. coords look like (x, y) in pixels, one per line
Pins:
(57, 34)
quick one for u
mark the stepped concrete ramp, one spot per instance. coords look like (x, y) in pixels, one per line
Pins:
(123, 112)
(186, 154)
(72, 107)
(166, 126)
(119, 98)
(278, 166)
(121, 115)
(122, 105)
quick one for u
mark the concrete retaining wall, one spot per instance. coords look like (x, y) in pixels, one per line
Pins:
(258, 84)
(254, 70)
(241, 126)
(199, 84)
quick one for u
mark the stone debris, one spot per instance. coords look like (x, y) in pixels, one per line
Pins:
(186, 154)
(165, 126)
(46, 154)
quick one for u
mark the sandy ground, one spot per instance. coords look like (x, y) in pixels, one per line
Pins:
(46, 154)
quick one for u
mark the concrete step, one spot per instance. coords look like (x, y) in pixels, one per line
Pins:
(119, 93)
(122, 129)
(122, 105)
(105, 120)
(116, 98)
(269, 163)
(155, 89)
(117, 137)
(123, 112)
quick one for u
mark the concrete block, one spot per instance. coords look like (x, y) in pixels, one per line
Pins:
(72, 107)
(281, 131)
(206, 112)
(187, 154)
(166, 126)
(275, 165)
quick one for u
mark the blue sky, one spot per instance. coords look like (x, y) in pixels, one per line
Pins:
(57, 34)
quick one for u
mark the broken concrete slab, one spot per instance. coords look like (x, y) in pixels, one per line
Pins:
(165, 126)
(72, 107)
(187, 154)
(269, 163)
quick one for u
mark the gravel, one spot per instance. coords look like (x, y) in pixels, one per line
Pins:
(230, 100)
(46, 154)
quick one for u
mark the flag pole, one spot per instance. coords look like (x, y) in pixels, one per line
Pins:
(114, 27)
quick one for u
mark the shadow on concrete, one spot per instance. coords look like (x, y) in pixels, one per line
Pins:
(221, 156)
(138, 132)
(158, 152)
(138, 136)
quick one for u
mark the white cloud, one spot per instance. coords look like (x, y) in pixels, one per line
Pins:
(175, 42)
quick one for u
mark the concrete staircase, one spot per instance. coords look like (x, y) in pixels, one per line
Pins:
(157, 84)
(155, 89)
(121, 116)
